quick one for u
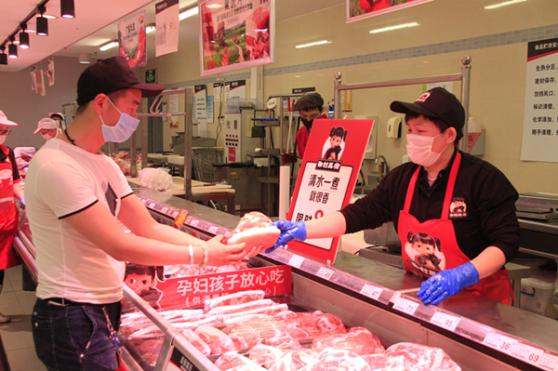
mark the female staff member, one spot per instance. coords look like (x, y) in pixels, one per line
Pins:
(454, 213)
(48, 128)
(10, 188)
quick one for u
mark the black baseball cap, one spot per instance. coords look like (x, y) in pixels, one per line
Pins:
(436, 103)
(109, 75)
(309, 101)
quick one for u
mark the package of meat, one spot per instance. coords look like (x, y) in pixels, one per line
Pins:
(218, 341)
(183, 315)
(278, 337)
(421, 357)
(296, 360)
(307, 325)
(255, 230)
(244, 338)
(270, 310)
(384, 362)
(197, 342)
(215, 321)
(231, 299)
(239, 308)
(358, 340)
(340, 360)
(246, 319)
(264, 355)
(235, 361)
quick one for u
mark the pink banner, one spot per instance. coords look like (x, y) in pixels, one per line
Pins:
(235, 34)
(132, 40)
(362, 9)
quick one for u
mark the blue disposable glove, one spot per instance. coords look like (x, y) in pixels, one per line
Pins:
(22, 203)
(447, 283)
(289, 231)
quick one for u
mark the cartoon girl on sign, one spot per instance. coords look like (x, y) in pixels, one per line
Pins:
(425, 253)
(337, 137)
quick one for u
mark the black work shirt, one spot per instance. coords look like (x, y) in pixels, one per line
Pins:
(489, 198)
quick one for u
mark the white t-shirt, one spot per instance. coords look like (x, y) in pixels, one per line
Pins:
(63, 180)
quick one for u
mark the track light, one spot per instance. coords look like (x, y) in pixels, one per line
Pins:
(42, 22)
(23, 37)
(3, 56)
(12, 51)
(67, 9)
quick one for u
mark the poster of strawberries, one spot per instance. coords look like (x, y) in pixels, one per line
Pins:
(362, 9)
(131, 37)
(235, 34)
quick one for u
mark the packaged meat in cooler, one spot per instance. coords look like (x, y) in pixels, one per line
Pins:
(146, 348)
(359, 340)
(270, 310)
(385, 362)
(278, 337)
(329, 323)
(331, 359)
(256, 231)
(421, 357)
(215, 321)
(307, 325)
(265, 355)
(244, 338)
(235, 361)
(240, 308)
(296, 360)
(246, 318)
(218, 341)
(183, 315)
(231, 299)
(197, 342)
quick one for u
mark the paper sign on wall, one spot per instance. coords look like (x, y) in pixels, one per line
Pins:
(200, 109)
(167, 23)
(327, 178)
(132, 40)
(540, 123)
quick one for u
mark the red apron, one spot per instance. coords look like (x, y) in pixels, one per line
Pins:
(431, 247)
(8, 213)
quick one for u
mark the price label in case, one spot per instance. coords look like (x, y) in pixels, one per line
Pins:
(213, 229)
(526, 352)
(195, 223)
(325, 273)
(547, 362)
(499, 342)
(164, 210)
(445, 320)
(151, 205)
(296, 261)
(371, 291)
(405, 305)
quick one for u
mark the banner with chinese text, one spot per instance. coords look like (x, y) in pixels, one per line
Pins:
(362, 9)
(540, 124)
(167, 27)
(132, 40)
(327, 178)
(235, 34)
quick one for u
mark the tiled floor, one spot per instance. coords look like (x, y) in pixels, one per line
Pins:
(16, 335)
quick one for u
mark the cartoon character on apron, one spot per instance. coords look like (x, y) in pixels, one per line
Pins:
(431, 246)
(8, 213)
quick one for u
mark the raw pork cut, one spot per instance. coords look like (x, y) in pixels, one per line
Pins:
(295, 360)
(240, 308)
(218, 341)
(358, 339)
(265, 355)
(421, 357)
(331, 359)
(235, 361)
(231, 299)
(244, 338)
(255, 230)
(197, 342)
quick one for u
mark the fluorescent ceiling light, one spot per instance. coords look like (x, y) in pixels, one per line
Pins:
(188, 13)
(503, 3)
(214, 6)
(49, 16)
(150, 28)
(313, 43)
(394, 27)
(108, 46)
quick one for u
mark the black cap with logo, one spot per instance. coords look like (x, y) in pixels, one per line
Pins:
(109, 75)
(309, 101)
(436, 103)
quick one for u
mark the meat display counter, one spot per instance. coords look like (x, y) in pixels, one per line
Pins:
(476, 333)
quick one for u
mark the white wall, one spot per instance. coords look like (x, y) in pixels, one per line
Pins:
(23, 106)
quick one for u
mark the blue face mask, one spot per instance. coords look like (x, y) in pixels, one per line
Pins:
(122, 130)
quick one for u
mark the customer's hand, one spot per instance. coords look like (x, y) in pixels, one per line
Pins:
(221, 254)
(289, 231)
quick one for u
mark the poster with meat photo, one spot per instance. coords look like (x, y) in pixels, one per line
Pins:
(131, 37)
(362, 9)
(235, 34)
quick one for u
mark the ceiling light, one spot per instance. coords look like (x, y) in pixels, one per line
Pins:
(12, 51)
(150, 28)
(394, 27)
(313, 43)
(84, 58)
(3, 57)
(42, 22)
(503, 3)
(110, 45)
(67, 9)
(24, 40)
(188, 13)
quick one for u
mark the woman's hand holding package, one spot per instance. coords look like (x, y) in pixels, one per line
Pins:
(221, 254)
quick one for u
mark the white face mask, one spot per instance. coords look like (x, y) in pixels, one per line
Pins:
(3, 138)
(419, 149)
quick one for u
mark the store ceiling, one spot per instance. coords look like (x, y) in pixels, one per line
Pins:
(96, 24)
